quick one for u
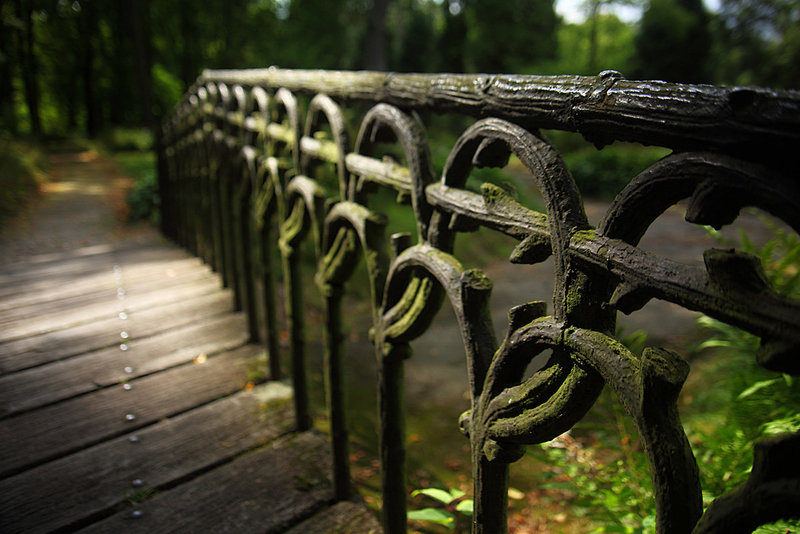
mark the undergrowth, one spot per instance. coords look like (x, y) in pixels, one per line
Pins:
(22, 170)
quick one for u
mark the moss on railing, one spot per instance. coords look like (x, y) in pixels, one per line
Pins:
(234, 163)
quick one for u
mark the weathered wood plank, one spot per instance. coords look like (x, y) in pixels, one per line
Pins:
(88, 485)
(67, 378)
(87, 261)
(263, 492)
(53, 288)
(65, 427)
(96, 289)
(36, 266)
(67, 313)
(27, 352)
(343, 517)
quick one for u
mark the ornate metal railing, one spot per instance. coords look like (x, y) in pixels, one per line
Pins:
(236, 162)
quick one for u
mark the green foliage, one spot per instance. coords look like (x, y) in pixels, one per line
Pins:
(748, 402)
(608, 480)
(603, 173)
(127, 139)
(614, 42)
(673, 41)
(455, 505)
(758, 42)
(167, 89)
(22, 168)
(509, 35)
(143, 198)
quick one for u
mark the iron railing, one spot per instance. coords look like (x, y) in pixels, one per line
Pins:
(237, 162)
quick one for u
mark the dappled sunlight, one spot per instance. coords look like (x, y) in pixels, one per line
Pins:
(75, 187)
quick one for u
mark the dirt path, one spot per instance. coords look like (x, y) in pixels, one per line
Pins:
(82, 205)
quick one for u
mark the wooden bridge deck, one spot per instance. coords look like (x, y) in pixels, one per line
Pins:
(127, 403)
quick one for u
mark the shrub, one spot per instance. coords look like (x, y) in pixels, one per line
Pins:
(603, 173)
(127, 139)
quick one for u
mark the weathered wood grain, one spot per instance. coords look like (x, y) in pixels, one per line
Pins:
(66, 427)
(67, 313)
(79, 291)
(87, 260)
(60, 380)
(264, 492)
(65, 284)
(27, 352)
(83, 487)
(342, 517)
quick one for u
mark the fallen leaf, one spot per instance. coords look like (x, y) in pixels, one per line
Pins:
(515, 494)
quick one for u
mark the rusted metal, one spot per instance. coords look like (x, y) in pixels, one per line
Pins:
(235, 165)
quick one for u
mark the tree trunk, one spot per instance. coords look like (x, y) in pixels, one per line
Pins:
(189, 66)
(139, 18)
(87, 67)
(7, 118)
(373, 55)
(29, 65)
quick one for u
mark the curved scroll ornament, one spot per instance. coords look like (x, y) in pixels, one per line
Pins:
(718, 187)
(732, 288)
(305, 206)
(305, 210)
(387, 124)
(411, 301)
(418, 278)
(315, 148)
(353, 231)
(266, 204)
(647, 386)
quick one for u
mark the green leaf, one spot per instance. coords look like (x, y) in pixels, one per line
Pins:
(713, 343)
(756, 387)
(566, 486)
(466, 506)
(434, 515)
(438, 494)
(456, 493)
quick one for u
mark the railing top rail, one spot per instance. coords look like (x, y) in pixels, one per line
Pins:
(603, 108)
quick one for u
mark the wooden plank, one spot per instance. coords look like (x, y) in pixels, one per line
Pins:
(63, 428)
(68, 378)
(265, 491)
(91, 262)
(70, 314)
(103, 289)
(88, 485)
(64, 285)
(343, 517)
(27, 352)
(86, 258)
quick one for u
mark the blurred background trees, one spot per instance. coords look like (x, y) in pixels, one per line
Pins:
(84, 66)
